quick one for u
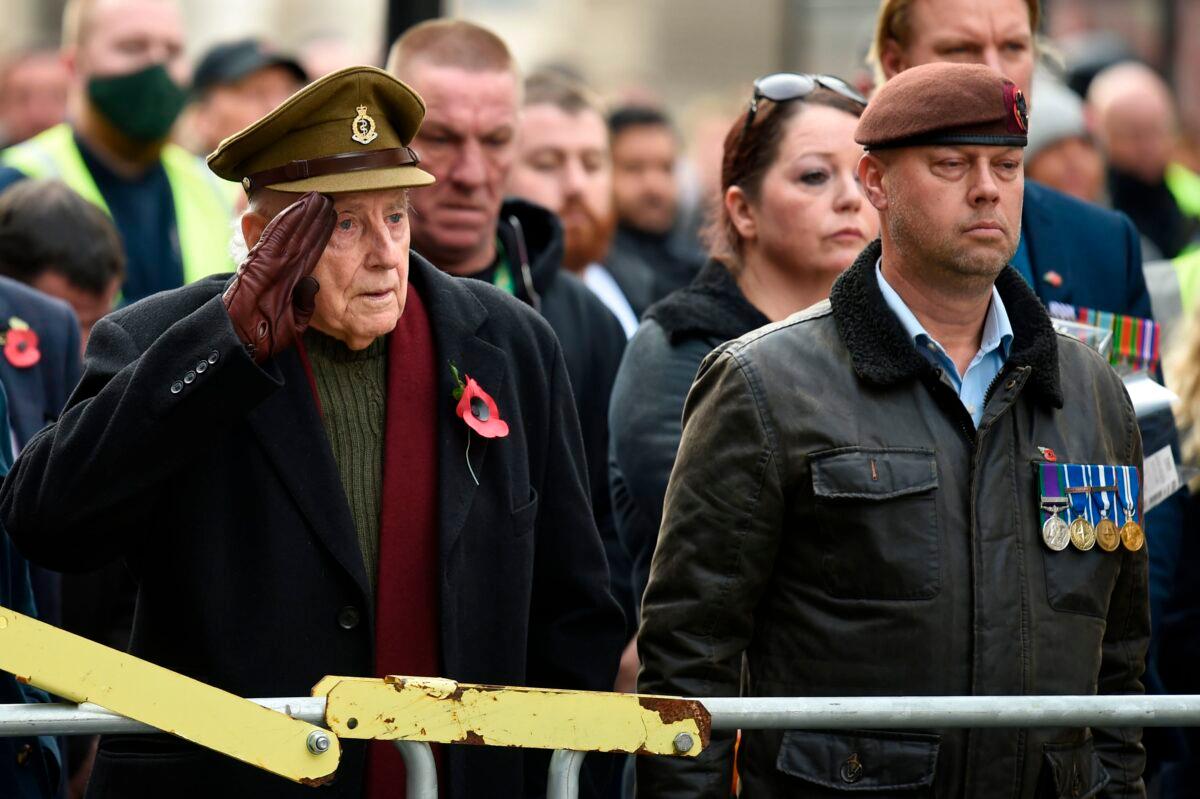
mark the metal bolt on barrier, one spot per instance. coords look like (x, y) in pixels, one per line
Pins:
(318, 742)
(683, 743)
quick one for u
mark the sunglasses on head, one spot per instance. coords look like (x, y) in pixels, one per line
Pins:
(783, 86)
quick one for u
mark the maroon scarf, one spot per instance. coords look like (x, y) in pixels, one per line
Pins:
(407, 622)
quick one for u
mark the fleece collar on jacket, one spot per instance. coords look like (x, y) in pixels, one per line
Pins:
(884, 354)
(711, 307)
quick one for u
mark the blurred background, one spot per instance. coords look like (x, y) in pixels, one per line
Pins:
(692, 55)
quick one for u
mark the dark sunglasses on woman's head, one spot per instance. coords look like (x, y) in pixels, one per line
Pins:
(783, 86)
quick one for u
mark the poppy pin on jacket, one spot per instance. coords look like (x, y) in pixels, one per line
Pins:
(20, 344)
(478, 410)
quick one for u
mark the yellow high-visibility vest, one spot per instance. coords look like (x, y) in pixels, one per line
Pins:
(1187, 272)
(203, 206)
(1184, 185)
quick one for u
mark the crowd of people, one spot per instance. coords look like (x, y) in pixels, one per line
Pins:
(472, 393)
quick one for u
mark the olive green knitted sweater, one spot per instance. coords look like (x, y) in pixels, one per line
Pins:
(352, 386)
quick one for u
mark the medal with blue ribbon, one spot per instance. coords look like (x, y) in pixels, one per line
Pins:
(1083, 533)
(1132, 535)
(1054, 501)
(1105, 492)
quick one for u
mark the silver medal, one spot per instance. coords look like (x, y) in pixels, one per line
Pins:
(1055, 533)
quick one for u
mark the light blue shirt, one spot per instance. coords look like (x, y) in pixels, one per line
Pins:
(993, 347)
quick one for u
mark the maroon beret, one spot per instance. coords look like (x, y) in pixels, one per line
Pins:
(945, 103)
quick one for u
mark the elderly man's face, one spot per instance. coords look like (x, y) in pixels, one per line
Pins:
(364, 270)
(955, 210)
(563, 165)
(468, 142)
(992, 32)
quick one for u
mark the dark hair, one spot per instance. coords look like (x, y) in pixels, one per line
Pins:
(747, 159)
(637, 116)
(44, 225)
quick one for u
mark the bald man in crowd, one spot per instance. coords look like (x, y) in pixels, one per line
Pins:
(1135, 119)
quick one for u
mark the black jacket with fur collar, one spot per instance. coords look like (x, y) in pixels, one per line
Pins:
(836, 526)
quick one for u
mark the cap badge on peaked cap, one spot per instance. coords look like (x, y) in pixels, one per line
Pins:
(363, 127)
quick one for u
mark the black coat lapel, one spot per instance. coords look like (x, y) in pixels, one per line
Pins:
(290, 429)
(456, 316)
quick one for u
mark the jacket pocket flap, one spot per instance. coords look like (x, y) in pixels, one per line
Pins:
(859, 473)
(860, 761)
(1075, 770)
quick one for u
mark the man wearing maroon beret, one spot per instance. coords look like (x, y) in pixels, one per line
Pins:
(866, 482)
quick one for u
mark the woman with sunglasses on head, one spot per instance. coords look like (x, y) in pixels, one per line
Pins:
(792, 218)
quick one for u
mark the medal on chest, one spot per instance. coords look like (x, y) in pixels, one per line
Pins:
(1054, 530)
(1083, 532)
(1108, 537)
(1132, 535)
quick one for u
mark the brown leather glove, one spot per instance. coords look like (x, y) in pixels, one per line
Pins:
(273, 294)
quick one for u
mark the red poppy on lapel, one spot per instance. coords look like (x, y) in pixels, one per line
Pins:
(479, 411)
(21, 347)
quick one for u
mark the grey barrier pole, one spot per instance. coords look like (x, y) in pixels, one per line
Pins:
(563, 781)
(733, 713)
(89, 719)
(907, 712)
(420, 770)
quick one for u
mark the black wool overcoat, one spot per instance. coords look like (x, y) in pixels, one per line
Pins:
(213, 478)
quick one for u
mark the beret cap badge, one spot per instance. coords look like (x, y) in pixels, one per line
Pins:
(1015, 100)
(363, 127)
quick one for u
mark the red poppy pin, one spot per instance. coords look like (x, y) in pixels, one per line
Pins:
(20, 344)
(477, 408)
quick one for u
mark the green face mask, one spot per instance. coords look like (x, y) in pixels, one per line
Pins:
(142, 105)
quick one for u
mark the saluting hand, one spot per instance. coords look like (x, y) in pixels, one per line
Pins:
(273, 295)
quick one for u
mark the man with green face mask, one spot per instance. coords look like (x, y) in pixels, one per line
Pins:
(128, 71)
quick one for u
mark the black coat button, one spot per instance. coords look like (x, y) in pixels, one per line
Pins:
(189, 378)
(201, 367)
(213, 356)
(176, 387)
(348, 617)
(851, 770)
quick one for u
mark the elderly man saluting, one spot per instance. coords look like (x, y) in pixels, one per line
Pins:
(914, 488)
(340, 461)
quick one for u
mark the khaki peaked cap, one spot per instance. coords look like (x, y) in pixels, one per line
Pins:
(945, 103)
(347, 131)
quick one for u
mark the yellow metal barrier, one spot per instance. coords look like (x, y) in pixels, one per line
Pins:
(412, 711)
